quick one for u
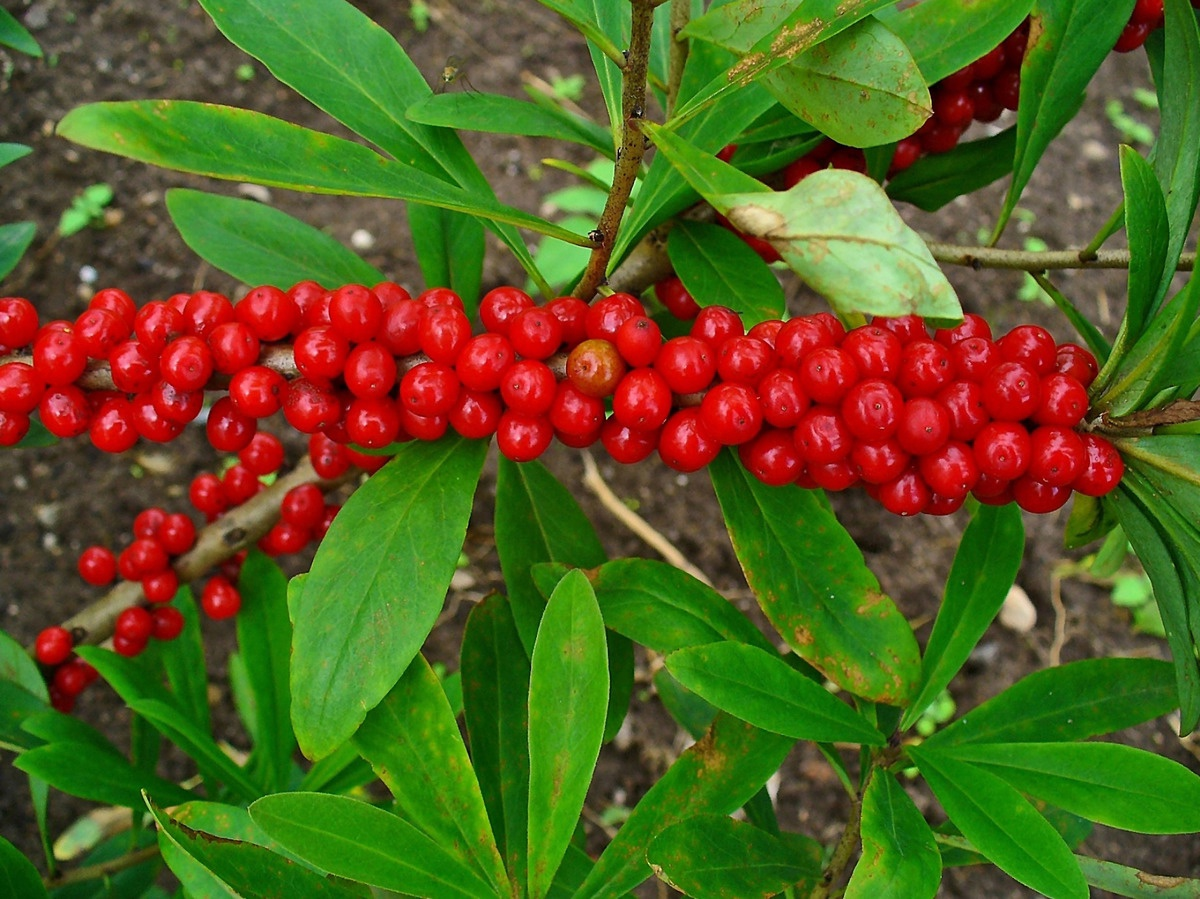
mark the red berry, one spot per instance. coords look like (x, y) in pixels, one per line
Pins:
(1102, 469)
(329, 460)
(1033, 495)
(964, 401)
(574, 412)
(833, 476)
(731, 413)
(476, 414)
(1011, 391)
(373, 422)
(356, 312)
(1072, 359)
(204, 310)
(951, 470)
(400, 331)
(444, 332)
(799, 337)
(429, 389)
(270, 313)
(207, 494)
(974, 357)
(370, 370)
(240, 484)
(822, 436)
(716, 324)
(134, 624)
(309, 408)
(1030, 345)
(177, 533)
(126, 646)
(419, 427)
(499, 305)
(1003, 450)
(20, 387)
(175, 405)
(871, 410)
(685, 444)
(53, 646)
(228, 429)
(595, 367)
(484, 360)
(827, 374)
(783, 400)
(876, 351)
(772, 457)
(972, 325)
(535, 333)
(924, 426)
(117, 301)
(527, 388)
(1057, 455)
(284, 539)
(953, 106)
(98, 566)
(161, 586)
(233, 346)
(112, 429)
(625, 444)
(675, 297)
(879, 463)
(642, 400)
(18, 322)
(150, 425)
(925, 368)
(59, 357)
(607, 315)
(220, 598)
(134, 368)
(1064, 401)
(571, 313)
(148, 522)
(167, 622)
(257, 391)
(65, 411)
(187, 363)
(522, 438)
(320, 353)
(638, 341)
(303, 506)
(99, 330)
(907, 494)
(1132, 36)
(906, 327)
(687, 364)
(13, 427)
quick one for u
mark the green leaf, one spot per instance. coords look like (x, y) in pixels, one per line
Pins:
(38, 436)
(900, 859)
(1119, 786)
(99, 774)
(1149, 234)
(357, 841)
(839, 231)
(568, 699)
(412, 741)
(537, 520)
(812, 583)
(208, 866)
(495, 679)
(1068, 39)
(10, 152)
(1177, 153)
(663, 608)
(715, 264)
(714, 857)
(17, 666)
(264, 645)
(187, 671)
(497, 114)
(240, 145)
(376, 586)
(718, 774)
(860, 87)
(937, 179)
(13, 34)
(1074, 701)
(1002, 825)
(15, 238)
(984, 569)
(763, 689)
(260, 245)
(946, 35)
(690, 712)
(16, 706)
(450, 250)
(18, 876)
(708, 176)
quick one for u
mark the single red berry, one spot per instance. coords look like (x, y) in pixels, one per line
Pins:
(642, 400)
(59, 700)
(20, 387)
(687, 364)
(227, 428)
(284, 539)
(150, 425)
(731, 413)
(373, 422)
(571, 313)
(258, 391)
(99, 330)
(799, 337)
(116, 301)
(972, 325)
(827, 374)
(1006, 87)
(1011, 391)
(476, 414)
(876, 351)
(303, 506)
(1072, 359)
(167, 621)
(270, 313)
(783, 400)
(1030, 345)
(173, 404)
(320, 353)
(1064, 401)
(161, 586)
(177, 533)
(924, 425)
(906, 327)
(329, 459)
(134, 368)
(484, 360)
(499, 305)
(309, 408)
(833, 476)
(135, 624)
(187, 363)
(716, 324)
(444, 332)
(595, 367)
(240, 484)
(951, 470)
(234, 346)
(953, 106)
(421, 427)
(127, 646)
(59, 357)
(326, 522)
(989, 65)
(766, 331)
(98, 566)
(607, 315)
(204, 310)
(1035, 496)
(429, 389)
(157, 324)
(53, 646)
(72, 678)
(220, 598)
(772, 457)
(1132, 36)
(684, 444)
(871, 410)
(400, 332)
(625, 444)
(112, 429)
(535, 333)
(974, 357)
(1057, 455)
(907, 494)
(65, 411)
(881, 462)
(1103, 467)
(925, 368)
(207, 495)
(1003, 450)
(18, 322)
(908, 151)
(964, 401)
(638, 341)
(987, 107)
(527, 388)
(148, 522)
(675, 297)
(356, 312)
(370, 370)
(574, 412)
(944, 505)
(13, 427)
(799, 169)
(822, 436)
(522, 438)
(938, 136)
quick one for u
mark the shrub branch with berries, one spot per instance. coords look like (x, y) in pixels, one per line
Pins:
(758, 149)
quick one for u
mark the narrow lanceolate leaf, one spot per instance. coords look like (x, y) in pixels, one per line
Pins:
(15, 238)
(1071, 702)
(1149, 235)
(763, 689)
(261, 245)
(860, 87)
(812, 583)
(497, 114)
(537, 520)
(1068, 39)
(1002, 825)
(95, 773)
(351, 839)
(714, 263)
(715, 857)
(264, 645)
(450, 249)
(10, 152)
(209, 866)
(839, 231)
(17, 666)
(946, 35)
(984, 569)
(412, 741)
(1107, 783)
(718, 774)
(937, 179)
(495, 680)
(186, 670)
(900, 859)
(18, 876)
(13, 34)
(568, 700)
(377, 585)
(240, 145)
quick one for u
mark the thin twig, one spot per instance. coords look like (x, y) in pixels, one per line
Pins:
(629, 154)
(594, 482)
(102, 869)
(1034, 261)
(681, 11)
(1054, 656)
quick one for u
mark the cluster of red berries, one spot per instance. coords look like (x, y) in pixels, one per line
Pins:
(919, 420)
(160, 537)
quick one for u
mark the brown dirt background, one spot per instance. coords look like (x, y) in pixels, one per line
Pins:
(55, 502)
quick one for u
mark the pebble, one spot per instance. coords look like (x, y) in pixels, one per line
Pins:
(88, 274)
(1018, 613)
(362, 239)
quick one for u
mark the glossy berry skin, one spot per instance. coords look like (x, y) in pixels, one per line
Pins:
(522, 438)
(1036, 496)
(257, 391)
(269, 312)
(134, 624)
(535, 333)
(1102, 468)
(207, 495)
(925, 368)
(716, 324)
(974, 358)
(177, 533)
(871, 410)
(822, 436)
(220, 599)
(638, 341)
(320, 353)
(1011, 392)
(204, 310)
(167, 623)
(1003, 450)
(783, 400)
(1064, 401)
(527, 388)
(98, 566)
(476, 414)
(400, 331)
(905, 495)
(951, 470)
(161, 586)
(65, 411)
(1077, 362)
(99, 330)
(675, 297)
(684, 444)
(484, 360)
(744, 359)
(924, 426)
(53, 646)
(571, 313)
(625, 444)
(356, 312)
(20, 387)
(444, 332)
(370, 370)
(499, 305)
(574, 412)
(876, 351)
(607, 315)
(642, 400)
(687, 364)
(827, 374)
(18, 322)
(133, 367)
(1030, 345)
(429, 389)
(772, 457)
(1057, 455)
(595, 367)
(112, 429)
(878, 463)
(731, 413)
(59, 357)
(964, 401)
(303, 506)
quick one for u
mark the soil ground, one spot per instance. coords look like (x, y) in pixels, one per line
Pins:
(54, 502)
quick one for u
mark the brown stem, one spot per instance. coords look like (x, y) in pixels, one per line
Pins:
(1146, 420)
(219, 541)
(843, 853)
(681, 11)
(1033, 261)
(102, 869)
(629, 154)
